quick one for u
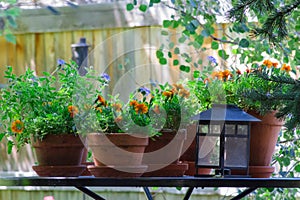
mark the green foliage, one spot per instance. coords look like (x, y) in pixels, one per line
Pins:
(33, 106)
(8, 14)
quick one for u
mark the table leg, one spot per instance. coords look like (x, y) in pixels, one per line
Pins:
(148, 193)
(90, 193)
(188, 193)
(244, 193)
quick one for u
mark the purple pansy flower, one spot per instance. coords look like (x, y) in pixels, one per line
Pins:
(144, 90)
(61, 62)
(212, 59)
(105, 76)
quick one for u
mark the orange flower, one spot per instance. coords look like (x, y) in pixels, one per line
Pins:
(133, 103)
(101, 100)
(73, 110)
(184, 93)
(268, 63)
(141, 108)
(275, 64)
(117, 106)
(156, 109)
(167, 93)
(286, 68)
(17, 126)
(225, 74)
(118, 119)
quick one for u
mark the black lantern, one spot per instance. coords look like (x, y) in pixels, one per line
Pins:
(80, 54)
(223, 139)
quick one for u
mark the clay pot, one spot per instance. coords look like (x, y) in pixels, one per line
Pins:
(117, 149)
(59, 150)
(263, 138)
(59, 155)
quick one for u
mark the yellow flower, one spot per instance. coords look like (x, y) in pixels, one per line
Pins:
(17, 126)
(141, 108)
(268, 63)
(73, 110)
(286, 68)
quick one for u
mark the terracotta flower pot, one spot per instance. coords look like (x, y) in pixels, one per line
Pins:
(117, 154)
(59, 155)
(64, 149)
(263, 138)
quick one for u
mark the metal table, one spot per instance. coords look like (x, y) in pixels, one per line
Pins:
(82, 183)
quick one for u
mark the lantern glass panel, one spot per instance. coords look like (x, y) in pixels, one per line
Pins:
(215, 129)
(209, 148)
(203, 129)
(230, 129)
(242, 130)
(236, 152)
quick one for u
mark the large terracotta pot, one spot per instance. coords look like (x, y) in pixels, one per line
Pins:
(59, 155)
(63, 149)
(263, 138)
(117, 154)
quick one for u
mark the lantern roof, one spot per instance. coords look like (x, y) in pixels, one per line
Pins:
(225, 112)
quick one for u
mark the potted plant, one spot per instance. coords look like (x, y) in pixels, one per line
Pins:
(172, 113)
(117, 132)
(38, 110)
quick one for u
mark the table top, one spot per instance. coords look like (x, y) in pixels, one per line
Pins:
(186, 181)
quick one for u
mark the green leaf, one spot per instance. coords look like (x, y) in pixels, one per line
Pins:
(184, 68)
(177, 51)
(286, 59)
(222, 54)
(196, 74)
(169, 54)
(297, 168)
(159, 54)
(10, 145)
(171, 45)
(205, 33)
(2, 136)
(244, 43)
(167, 23)
(175, 62)
(215, 45)
(10, 38)
(182, 39)
(163, 61)
(143, 7)
(163, 32)
(129, 7)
